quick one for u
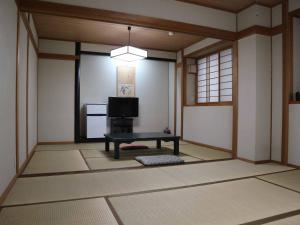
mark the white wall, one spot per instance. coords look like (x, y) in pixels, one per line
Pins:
(247, 97)
(167, 9)
(98, 82)
(8, 39)
(293, 5)
(22, 99)
(254, 15)
(57, 47)
(178, 100)
(263, 100)
(208, 125)
(199, 124)
(254, 97)
(294, 140)
(33, 29)
(277, 15)
(199, 45)
(172, 77)
(107, 48)
(32, 98)
(56, 100)
(296, 52)
(276, 97)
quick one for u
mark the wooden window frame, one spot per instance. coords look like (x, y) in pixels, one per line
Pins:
(219, 103)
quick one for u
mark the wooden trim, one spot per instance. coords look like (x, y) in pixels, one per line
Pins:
(56, 143)
(14, 179)
(296, 12)
(271, 95)
(210, 104)
(58, 56)
(277, 30)
(175, 100)
(178, 65)
(27, 95)
(17, 92)
(258, 3)
(196, 82)
(293, 165)
(287, 74)
(260, 30)
(207, 5)
(235, 99)
(294, 102)
(226, 9)
(23, 167)
(254, 162)
(29, 31)
(77, 138)
(57, 9)
(219, 46)
(183, 72)
(255, 30)
(208, 146)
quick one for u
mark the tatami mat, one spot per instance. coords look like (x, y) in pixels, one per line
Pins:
(97, 146)
(55, 161)
(75, 186)
(111, 163)
(97, 150)
(83, 212)
(53, 188)
(219, 171)
(61, 147)
(125, 153)
(289, 179)
(203, 152)
(243, 201)
(102, 163)
(94, 153)
(294, 220)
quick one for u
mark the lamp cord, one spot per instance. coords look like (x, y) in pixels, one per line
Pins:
(129, 29)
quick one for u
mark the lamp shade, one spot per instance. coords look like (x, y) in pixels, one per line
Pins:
(128, 53)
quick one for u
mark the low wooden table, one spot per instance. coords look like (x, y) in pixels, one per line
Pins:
(120, 138)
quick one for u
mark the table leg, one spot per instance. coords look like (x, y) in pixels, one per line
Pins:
(158, 144)
(106, 145)
(176, 146)
(117, 150)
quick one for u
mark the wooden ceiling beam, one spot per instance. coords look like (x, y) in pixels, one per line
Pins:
(229, 7)
(42, 7)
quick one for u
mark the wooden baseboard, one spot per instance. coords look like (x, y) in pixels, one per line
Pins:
(14, 179)
(293, 165)
(255, 162)
(56, 143)
(208, 146)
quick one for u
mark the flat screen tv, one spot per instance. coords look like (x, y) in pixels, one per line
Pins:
(123, 107)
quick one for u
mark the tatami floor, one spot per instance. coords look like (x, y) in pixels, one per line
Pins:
(82, 184)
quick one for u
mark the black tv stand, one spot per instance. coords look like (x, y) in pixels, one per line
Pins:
(121, 125)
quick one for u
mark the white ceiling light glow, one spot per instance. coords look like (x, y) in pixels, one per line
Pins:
(128, 53)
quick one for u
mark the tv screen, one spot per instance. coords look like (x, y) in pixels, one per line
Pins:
(123, 107)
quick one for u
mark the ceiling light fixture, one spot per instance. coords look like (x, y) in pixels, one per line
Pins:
(128, 53)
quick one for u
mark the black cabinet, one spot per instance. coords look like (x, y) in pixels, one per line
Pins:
(121, 125)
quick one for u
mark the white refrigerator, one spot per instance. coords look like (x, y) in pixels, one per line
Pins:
(96, 120)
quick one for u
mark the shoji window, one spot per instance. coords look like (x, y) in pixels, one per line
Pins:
(215, 77)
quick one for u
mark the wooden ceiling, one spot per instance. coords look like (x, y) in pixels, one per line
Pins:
(232, 5)
(73, 29)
